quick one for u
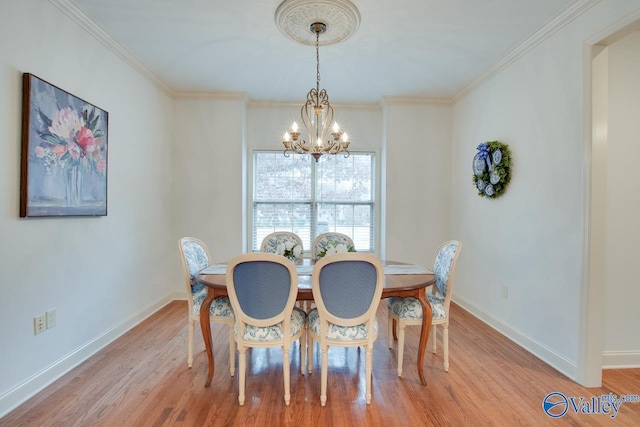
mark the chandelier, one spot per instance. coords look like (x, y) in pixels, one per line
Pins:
(317, 118)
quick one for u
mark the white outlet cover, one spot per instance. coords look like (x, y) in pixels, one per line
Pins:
(51, 318)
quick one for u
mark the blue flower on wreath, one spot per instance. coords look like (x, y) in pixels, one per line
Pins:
(488, 190)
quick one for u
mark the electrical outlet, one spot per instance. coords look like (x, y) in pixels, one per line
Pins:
(505, 291)
(51, 318)
(39, 324)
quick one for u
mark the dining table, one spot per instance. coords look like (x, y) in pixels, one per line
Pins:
(400, 280)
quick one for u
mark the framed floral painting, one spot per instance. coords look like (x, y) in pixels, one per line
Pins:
(64, 153)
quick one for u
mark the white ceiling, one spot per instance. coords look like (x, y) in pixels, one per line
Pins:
(426, 48)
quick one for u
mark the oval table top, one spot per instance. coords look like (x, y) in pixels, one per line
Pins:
(396, 283)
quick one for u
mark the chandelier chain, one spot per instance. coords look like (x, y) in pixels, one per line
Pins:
(317, 61)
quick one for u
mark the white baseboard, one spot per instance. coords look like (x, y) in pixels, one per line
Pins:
(547, 355)
(620, 359)
(38, 381)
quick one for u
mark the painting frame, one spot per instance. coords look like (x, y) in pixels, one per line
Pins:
(64, 161)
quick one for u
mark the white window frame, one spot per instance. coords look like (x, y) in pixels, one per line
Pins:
(375, 205)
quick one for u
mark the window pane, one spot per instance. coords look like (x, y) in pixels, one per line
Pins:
(350, 179)
(353, 220)
(270, 217)
(308, 198)
(282, 178)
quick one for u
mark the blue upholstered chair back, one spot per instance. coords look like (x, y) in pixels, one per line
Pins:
(196, 258)
(262, 288)
(443, 264)
(348, 287)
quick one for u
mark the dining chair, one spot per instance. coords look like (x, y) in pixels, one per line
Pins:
(271, 241)
(195, 256)
(408, 311)
(330, 240)
(346, 289)
(262, 288)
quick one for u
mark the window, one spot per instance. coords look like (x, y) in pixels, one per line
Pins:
(298, 194)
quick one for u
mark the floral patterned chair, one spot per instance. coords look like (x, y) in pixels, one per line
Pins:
(263, 289)
(195, 256)
(408, 311)
(347, 289)
(278, 242)
(327, 243)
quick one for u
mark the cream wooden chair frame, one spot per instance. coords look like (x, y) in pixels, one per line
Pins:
(194, 318)
(283, 319)
(402, 323)
(367, 319)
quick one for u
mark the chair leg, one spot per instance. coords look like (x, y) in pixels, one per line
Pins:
(401, 326)
(310, 354)
(445, 346)
(242, 359)
(323, 375)
(303, 349)
(389, 328)
(368, 360)
(434, 334)
(192, 327)
(232, 351)
(286, 371)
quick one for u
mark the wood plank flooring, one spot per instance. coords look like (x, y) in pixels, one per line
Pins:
(142, 379)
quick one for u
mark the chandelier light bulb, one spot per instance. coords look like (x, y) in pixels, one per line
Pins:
(336, 128)
(287, 137)
(294, 127)
(345, 137)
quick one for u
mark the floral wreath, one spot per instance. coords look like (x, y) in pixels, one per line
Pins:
(491, 173)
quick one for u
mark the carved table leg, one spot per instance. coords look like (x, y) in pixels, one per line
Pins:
(424, 333)
(205, 326)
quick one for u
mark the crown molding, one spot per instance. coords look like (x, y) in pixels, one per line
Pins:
(569, 14)
(77, 15)
(214, 95)
(413, 100)
(259, 103)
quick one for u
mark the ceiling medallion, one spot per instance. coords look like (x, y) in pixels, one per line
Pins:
(295, 17)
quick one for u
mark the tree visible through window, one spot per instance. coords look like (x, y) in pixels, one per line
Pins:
(299, 195)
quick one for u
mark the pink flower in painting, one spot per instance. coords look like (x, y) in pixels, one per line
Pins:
(101, 165)
(40, 152)
(86, 140)
(66, 123)
(73, 150)
(58, 150)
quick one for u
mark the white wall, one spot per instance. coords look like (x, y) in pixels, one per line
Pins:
(102, 274)
(418, 158)
(531, 239)
(622, 231)
(208, 164)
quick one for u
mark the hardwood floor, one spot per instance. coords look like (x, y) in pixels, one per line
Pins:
(142, 379)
